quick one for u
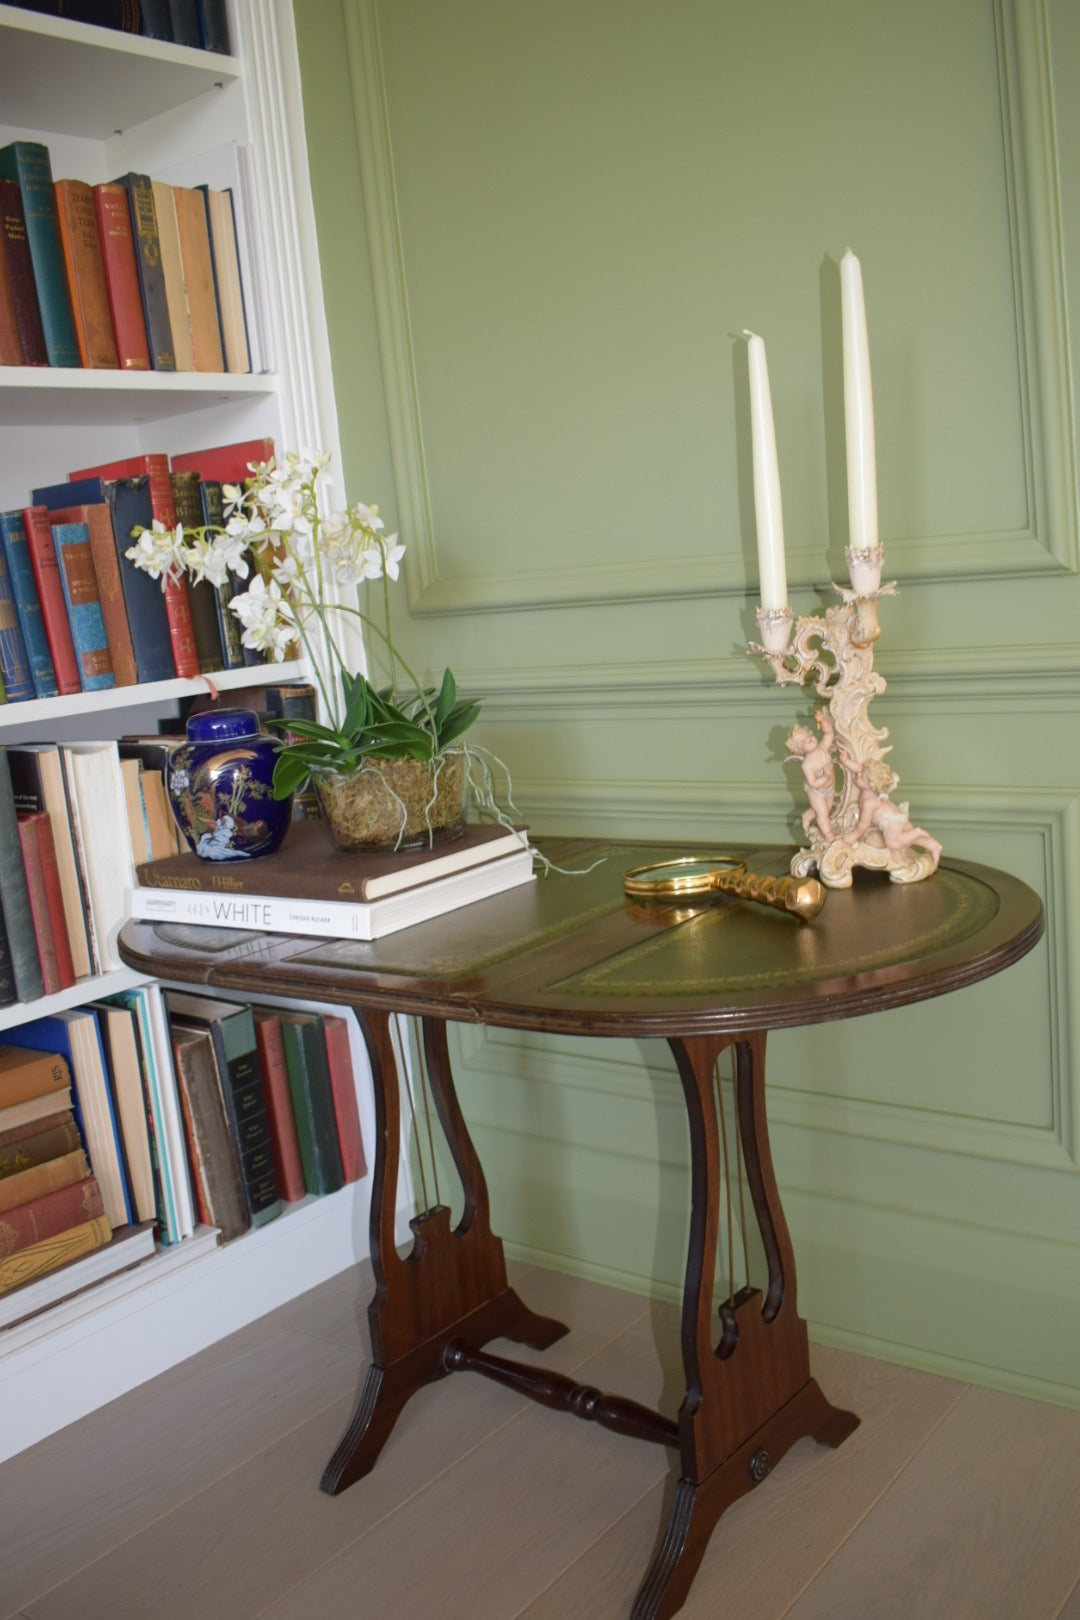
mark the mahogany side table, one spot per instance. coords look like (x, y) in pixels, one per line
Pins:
(570, 955)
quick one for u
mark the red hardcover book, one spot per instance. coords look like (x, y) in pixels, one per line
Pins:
(283, 1140)
(107, 568)
(177, 603)
(122, 277)
(225, 463)
(46, 900)
(53, 1212)
(85, 274)
(15, 246)
(343, 1087)
(50, 591)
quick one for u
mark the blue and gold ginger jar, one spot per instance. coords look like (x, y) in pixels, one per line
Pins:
(220, 787)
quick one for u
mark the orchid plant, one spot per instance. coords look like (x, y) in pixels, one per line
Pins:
(301, 564)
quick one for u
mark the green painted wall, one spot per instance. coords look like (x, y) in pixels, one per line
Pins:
(540, 225)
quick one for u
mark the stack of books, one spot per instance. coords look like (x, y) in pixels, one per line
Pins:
(135, 274)
(310, 887)
(52, 1205)
(80, 617)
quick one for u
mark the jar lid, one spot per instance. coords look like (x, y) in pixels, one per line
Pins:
(222, 725)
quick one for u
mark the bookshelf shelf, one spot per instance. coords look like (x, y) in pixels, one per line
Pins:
(106, 984)
(39, 713)
(111, 80)
(39, 396)
(185, 115)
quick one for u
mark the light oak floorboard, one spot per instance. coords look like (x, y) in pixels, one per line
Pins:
(982, 1525)
(197, 1494)
(771, 1542)
(94, 1484)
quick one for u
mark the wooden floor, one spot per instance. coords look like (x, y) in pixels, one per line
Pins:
(196, 1497)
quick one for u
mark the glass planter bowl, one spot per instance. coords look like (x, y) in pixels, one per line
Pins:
(395, 803)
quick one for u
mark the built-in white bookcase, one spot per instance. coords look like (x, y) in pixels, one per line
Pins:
(104, 103)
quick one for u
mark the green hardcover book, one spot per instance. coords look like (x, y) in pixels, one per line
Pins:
(313, 1101)
(28, 163)
(232, 1030)
(187, 498)
(15, 896)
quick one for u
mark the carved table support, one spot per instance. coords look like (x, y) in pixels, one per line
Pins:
(750, 1397)
(452, 1285)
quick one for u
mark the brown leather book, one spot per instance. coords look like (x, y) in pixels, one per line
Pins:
(37, 1140)
(38, 1179)
(122, 277)
(202, 597)
(216, 1173)
(98, 522)
(309, 867)
(279, 1108)
(15, 245)
(199, 278)
(86, 274)
(26, 1072)
(230, 294)
(11, 353)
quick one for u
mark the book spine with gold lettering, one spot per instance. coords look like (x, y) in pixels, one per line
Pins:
(83, 601)
(144, 230)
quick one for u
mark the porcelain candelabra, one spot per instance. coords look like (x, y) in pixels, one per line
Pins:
(859, 825)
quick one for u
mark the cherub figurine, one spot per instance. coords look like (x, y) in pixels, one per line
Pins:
(875, 781)
(819, 771)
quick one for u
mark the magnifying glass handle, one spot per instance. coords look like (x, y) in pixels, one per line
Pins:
(804, 897)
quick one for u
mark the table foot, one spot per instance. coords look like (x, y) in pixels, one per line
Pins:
(698, 1504)
(388, 1388)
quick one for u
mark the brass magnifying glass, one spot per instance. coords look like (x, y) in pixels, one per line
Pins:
(703, 875)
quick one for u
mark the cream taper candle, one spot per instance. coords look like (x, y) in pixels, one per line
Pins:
(767, 507)
(858, 410)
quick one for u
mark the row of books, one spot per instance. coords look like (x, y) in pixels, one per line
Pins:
(132, 275)
(77, 615)
(159, 1112)
(76, 819)
(202, 24)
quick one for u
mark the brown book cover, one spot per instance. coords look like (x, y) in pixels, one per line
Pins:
(201, 594)
(279, 1108)
(165, 839)
(122, 277)
(86, 274)
(26, 1072)
(52, 1252)
(38, 1179)
(198, 279)
(309, 866)
(11, 351)
(48, 1138)
(98, 520)
(46, 1216)
(46, 566)
(15, 245)
(155, 466)
(230, 294)
(136, 810)
(46, 901)
(173, 270)
(215, 1167)
(343, 1089)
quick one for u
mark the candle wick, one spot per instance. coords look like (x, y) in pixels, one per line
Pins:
(745, 333)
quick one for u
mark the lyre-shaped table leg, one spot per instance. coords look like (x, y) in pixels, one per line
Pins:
(745, 1408)
(452, 1285)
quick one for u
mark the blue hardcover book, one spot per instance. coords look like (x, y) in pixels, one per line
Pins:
(128, 500)
(14, 664)
(83, 602)
(27, 603)
(77, 1037)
